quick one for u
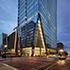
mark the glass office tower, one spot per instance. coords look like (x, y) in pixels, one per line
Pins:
(37, 25)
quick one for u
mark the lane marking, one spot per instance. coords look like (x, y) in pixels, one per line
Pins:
(40, 66)
(51, 66)
(11, 67)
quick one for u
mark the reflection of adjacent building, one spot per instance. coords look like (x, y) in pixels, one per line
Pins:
(12, 43)
(37, 26)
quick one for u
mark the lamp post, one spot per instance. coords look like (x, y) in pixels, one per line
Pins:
(5, 46)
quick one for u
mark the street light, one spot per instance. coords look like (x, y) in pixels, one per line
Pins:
(5, 46)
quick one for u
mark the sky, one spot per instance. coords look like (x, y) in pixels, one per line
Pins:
(63, 22)
(8, 15)
(8, 19)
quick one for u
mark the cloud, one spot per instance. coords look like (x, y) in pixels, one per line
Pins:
(63, 30)
(8, 15)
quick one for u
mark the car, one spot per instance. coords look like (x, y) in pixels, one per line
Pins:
(62, 57)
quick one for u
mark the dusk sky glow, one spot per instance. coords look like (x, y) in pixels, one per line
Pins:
(63, 22)
(8, 19)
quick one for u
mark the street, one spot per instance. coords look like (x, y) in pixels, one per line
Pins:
(35, 63)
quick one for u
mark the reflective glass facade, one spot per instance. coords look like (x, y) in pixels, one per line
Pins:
(27, 21)
(27, 35)
(48, 11)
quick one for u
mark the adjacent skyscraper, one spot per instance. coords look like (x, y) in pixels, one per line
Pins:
(37, 25)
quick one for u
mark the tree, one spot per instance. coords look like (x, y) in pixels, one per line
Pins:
(60, 45)
(66, 54)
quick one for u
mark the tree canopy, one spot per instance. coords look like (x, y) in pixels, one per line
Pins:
(60, 45)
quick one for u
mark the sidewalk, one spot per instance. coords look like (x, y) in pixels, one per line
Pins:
(6, 67)
(1, 59)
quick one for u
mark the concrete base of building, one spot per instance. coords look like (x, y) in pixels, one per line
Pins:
(37, 51)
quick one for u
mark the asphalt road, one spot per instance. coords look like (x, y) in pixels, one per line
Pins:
(37, 63)
(60, 65)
